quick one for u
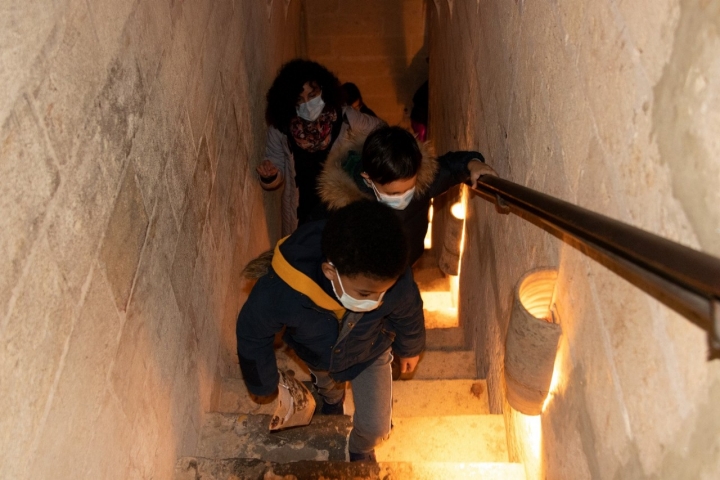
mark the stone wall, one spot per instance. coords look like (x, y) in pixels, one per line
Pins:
(379, 45)
(129, 132)
(611, 105)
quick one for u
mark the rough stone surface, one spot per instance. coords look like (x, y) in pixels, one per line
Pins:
(422, 398)
(609, 105)
(191, 468)
(458, 438)
(247, 436)
(438, 365)
(129, 132)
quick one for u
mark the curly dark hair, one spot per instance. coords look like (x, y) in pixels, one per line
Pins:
(389, 154)
(366, 238)
(288, 85)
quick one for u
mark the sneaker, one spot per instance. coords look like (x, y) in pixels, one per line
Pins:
(363, 457)
(333, 408)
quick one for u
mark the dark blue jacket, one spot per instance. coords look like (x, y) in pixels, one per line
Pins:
(296, 294)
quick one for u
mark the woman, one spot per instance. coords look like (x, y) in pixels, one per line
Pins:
(305, 123)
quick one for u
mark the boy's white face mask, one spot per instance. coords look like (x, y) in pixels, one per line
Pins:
(398, 202)
(353, 303)
(311, 109)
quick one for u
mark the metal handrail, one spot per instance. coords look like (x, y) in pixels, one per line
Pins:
(683, 278)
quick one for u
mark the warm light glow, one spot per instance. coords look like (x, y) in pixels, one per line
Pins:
(533, 433)
(454, 289)
(536, 293)
(557, 378)
(458, 211)
(553, 384)
(433, 301)
(455, 279)
(439, 309)
(428, 233)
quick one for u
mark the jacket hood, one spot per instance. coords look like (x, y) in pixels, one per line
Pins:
(337, 188)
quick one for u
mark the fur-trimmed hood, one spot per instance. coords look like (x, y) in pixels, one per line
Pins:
(337, 188)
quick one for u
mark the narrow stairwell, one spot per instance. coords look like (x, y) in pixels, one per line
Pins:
(442, 428)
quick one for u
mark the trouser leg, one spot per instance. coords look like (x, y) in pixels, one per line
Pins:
(372, 393)
(328, 389)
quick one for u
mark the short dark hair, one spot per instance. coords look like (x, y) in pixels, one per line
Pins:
(391, 153)
(366, 238)
(351, 93)
(288, 84)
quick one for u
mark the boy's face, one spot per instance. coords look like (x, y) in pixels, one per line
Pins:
(359, 287)
(396, 187)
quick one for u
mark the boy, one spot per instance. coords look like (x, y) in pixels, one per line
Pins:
(345, 295)
(395, 169)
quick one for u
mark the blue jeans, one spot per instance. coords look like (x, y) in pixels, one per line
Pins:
(372, 392)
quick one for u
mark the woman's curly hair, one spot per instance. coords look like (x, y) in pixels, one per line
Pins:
(288, 85)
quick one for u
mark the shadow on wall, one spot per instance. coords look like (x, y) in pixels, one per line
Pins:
(406, 77)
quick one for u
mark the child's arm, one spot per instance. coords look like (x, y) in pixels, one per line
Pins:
(257, 324)
(408, 323)
(455, 168)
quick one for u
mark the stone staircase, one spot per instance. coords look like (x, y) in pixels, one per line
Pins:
(442, 428)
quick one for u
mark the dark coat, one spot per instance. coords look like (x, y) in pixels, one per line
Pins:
(296, 294)
(340, 183)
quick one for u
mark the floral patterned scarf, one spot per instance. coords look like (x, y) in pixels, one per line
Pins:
(313, 136)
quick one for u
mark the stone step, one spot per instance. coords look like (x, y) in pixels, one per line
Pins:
(193, 468)
(459, 438)
(424, 398)
(445, 339)
(431, 279)
(439, 309)
(247, 436)
(444, 365)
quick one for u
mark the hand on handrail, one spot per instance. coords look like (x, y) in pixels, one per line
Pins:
(477, 169)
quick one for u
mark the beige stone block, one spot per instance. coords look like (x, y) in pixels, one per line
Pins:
(30, 180)
(33, 28)
(173, 77)
(130, 367)
(107, 453)
(75, 74)
(652, 32)
(76, 224)
(192, 19)
(206, 67)
(222, 210)
(608, 72)
(77, 402)
(32, 340)
(200, 186)
(151, 149)
(124, 239)
(153, 299)
(110, 18)
(148, 33)
(180, 167)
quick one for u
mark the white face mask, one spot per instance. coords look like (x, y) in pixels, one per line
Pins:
(398, 202)
(311, 109)
(353, 303)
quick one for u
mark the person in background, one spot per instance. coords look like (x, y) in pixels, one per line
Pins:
(353, 97)
(394, 168)
(306, 121)
(341, 291)
(419, 112)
